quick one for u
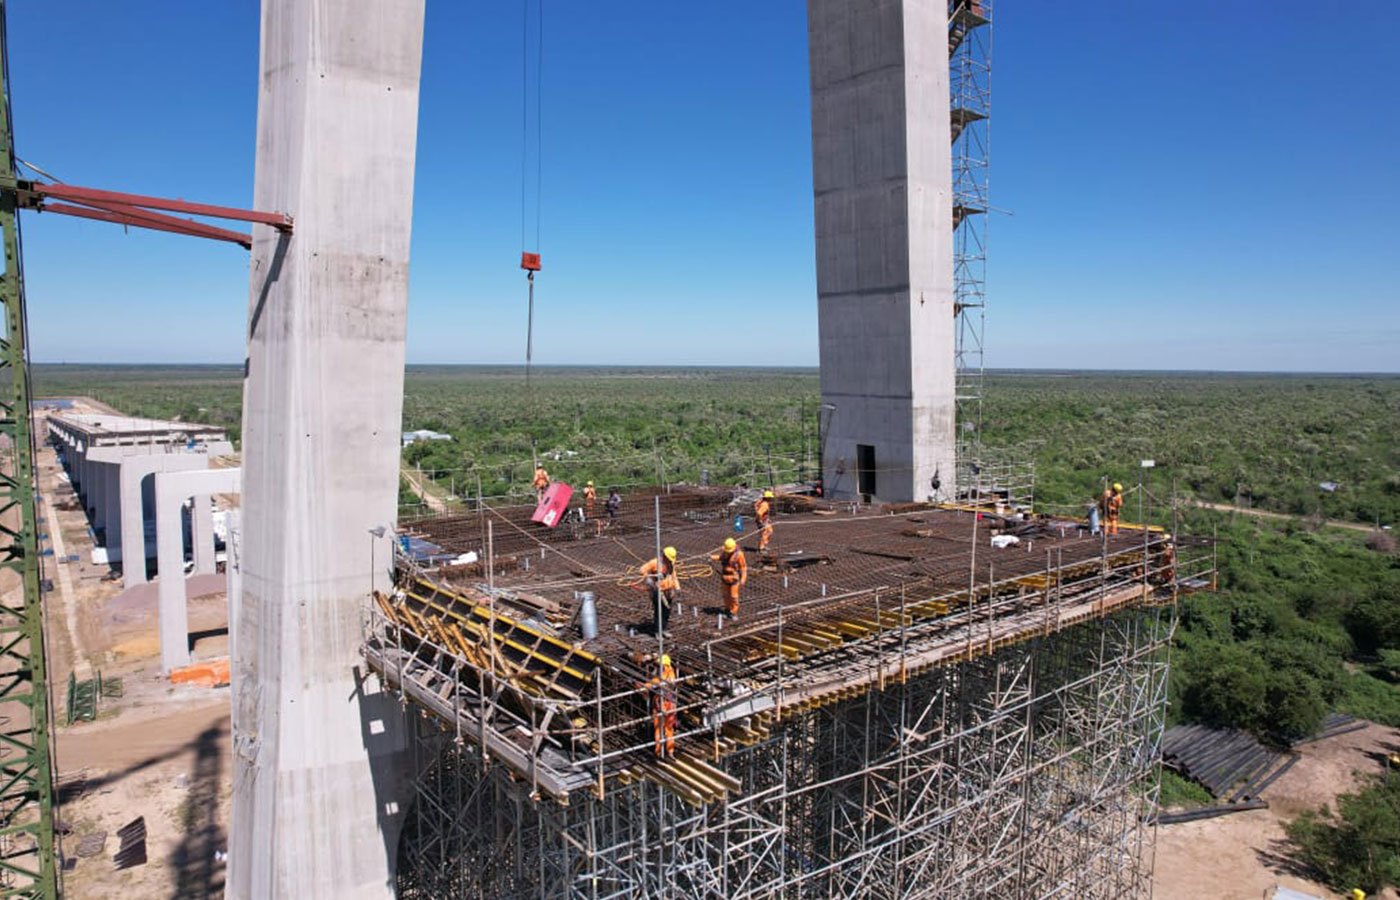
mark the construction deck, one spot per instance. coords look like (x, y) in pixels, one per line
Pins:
(844, 600)
(820, 562)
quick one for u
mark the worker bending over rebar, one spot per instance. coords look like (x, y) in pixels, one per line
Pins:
(660, 575)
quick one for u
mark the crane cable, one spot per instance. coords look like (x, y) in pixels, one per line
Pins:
(530, 261)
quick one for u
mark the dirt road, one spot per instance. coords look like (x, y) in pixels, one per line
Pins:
(1265, 514)
(434, 504)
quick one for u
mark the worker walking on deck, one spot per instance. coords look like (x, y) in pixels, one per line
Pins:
(763, 515)
(590, 497)
(663, 708)
(733, 572)
(1110, 505)
(541, 482)
(612, 505)
(660, 575)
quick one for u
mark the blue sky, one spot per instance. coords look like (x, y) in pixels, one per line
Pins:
(1186, 186)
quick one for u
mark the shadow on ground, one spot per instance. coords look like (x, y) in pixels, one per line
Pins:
(200, 874)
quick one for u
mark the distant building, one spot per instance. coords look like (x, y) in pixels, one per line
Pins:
(1329, 486)
(424, 434)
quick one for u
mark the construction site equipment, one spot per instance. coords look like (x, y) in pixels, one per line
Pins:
(905, 706)
(139, 210)
(27, 861)
(969, 83)
(131, 851)
(82, 698)
(27, 853)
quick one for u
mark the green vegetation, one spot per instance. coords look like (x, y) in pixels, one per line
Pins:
(1308, 619)
(208, 395)
(1179, 792)
(1271, 439)
(1359, 846)
(1296, 631)
(617, 427)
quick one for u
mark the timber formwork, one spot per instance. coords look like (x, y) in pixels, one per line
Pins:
(902, 711)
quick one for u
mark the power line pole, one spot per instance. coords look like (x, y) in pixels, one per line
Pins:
(26, 774)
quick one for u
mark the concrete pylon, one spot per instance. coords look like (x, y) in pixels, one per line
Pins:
(882, 181)
(321, 768)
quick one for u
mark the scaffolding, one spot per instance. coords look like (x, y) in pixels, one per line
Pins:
(969, 78)
(903, 713)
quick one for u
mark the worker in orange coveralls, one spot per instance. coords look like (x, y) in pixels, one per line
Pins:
(590, 496)
(733, 572)
(541, 482)
(663, 707)
(1111, 504)
(763, 514)
(660, 574)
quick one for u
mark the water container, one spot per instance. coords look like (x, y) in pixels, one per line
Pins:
(738, 523)
(587, 615)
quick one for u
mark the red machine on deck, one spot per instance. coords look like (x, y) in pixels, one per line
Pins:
(555, 503)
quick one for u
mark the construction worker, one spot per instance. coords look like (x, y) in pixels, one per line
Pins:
(660, 575)
(1110, 505)
(590, 496)
(611, 507)
(763, 515)
(733, 572)
(541, 482)
(663, 707)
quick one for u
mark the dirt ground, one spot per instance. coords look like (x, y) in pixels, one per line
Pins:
(157, 751)
(1244, 854)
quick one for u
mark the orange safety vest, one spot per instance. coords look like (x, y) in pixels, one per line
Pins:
(663, 690)
(761, 510)
(667, 574)
(541, 477)
(734, 568)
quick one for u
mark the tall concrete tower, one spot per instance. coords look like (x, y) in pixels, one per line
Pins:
(882, 179)
(319, 753)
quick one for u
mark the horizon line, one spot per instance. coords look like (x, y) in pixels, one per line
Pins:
(990, 370)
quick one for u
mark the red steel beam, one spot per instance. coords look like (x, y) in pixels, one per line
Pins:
(134, 215)
(154, 221)
(93, 196)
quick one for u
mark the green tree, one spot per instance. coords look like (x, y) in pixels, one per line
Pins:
(1360, 845)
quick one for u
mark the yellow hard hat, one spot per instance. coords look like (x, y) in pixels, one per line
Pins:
(1118, 487)
(665, 659)
(768, 495)
(590, 484)
(670, 553)
(729, 544)
(1358, 894)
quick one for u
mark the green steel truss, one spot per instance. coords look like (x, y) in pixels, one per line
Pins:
(27, 860)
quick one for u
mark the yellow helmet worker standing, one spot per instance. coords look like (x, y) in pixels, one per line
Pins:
(763, 515)
(733, 573)
(1110, 505)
